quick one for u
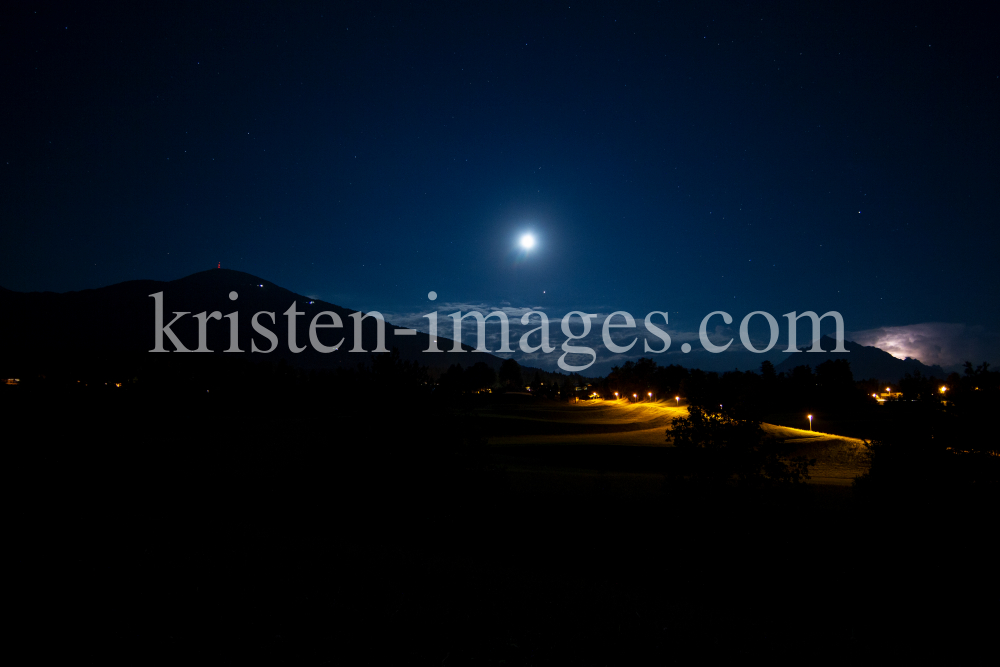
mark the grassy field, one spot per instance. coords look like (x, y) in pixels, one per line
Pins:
(583, 423)
(592, 427)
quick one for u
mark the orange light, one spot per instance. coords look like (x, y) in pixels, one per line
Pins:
(943, 389)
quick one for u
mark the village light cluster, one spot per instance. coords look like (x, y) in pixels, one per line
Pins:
(625, 321)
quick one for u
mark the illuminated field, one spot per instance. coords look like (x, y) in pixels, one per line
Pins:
(584, 423)
(838, 459)
(620, 423)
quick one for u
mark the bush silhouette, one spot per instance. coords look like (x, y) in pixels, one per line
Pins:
(733, 450)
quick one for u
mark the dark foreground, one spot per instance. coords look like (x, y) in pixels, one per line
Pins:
(148, 528)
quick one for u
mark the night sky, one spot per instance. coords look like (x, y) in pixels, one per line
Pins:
(666, 156)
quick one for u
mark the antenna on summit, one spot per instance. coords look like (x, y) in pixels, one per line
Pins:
(220, 265)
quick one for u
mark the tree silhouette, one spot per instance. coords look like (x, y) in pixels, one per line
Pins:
(480, 376)
(723, 448)
(510, 374)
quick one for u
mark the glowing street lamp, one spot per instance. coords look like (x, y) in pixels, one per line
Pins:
(810, 422)
(943, 389)
(650, 395)
(636, 397)
(616, 395)
(678, 399)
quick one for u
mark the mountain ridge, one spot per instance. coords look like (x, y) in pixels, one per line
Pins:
(867, 361)
(119, 319)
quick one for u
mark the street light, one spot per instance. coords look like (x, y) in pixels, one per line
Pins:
(810, 422)
(678, 399)
(650, 395)
(943, 389)
(636, 397)
(616, 395)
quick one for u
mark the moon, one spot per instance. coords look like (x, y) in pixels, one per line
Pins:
(527, 241)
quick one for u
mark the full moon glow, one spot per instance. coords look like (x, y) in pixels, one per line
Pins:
(527, 241)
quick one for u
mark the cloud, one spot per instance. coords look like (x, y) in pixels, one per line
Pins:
(594, 340)
(941, 343)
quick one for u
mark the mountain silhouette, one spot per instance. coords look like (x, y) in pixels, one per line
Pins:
(867, 362)
(46, 329)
